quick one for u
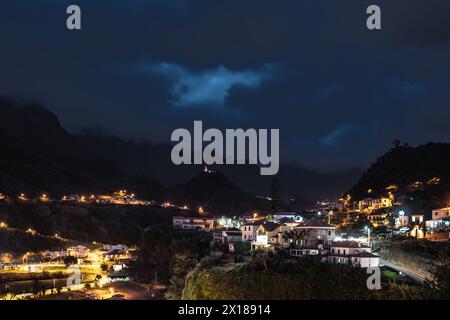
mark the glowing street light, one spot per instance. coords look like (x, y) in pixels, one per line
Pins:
(3, 225)
(22, 197)
(31, 231)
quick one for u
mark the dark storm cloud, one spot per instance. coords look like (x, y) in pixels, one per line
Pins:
(310, 68)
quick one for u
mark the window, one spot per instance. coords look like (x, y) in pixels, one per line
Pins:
(329, 232)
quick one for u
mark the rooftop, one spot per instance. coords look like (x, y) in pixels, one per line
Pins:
(314, 223)
(270, 226)
(255, 223)
(286, 220)
(192, 216)
(365, 255)
(349, 244)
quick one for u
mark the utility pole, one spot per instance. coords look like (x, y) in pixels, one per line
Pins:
(368, 235)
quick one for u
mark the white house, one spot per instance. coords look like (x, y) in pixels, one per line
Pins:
(289, 215)
(417, 218)
(352, 253)
(372, 204)
(439, 224)
(55, 255)
(78, 251)
(249, 231)
(380, 203)
(270, 235)
(193, 222)
(441, 213)
(231, 235)
(312, 237)
(401, 221)
(116, 252)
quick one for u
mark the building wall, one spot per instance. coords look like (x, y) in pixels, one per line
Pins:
(348, 251)
(355, 261)
(368, 262)
(441, 213)
(249, 232)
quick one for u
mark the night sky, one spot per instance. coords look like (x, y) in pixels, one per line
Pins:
(140, 69)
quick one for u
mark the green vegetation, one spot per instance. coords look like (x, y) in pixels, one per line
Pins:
(70, 260)
(167, 255)
(14, 276)
(302, 279)
(390, 274)
(439, 288)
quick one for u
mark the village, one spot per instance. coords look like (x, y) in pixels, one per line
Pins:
(91, 269)
(342, 232)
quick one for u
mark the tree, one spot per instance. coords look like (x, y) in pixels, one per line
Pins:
(181, 265)
(36, 287)
(396, 143)
(70, 260)
(441, 279)
(104, 267)
(156, 249)
(275, 197)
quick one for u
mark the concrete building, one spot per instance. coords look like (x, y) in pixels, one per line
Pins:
(289, 215)
(312, 237)
(441, 213)
(369, 205)
(193, 222)
(231, 235)
(249, 231)
(272, 235)
(352, 253)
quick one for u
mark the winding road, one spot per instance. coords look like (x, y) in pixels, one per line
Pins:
(413, 274)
